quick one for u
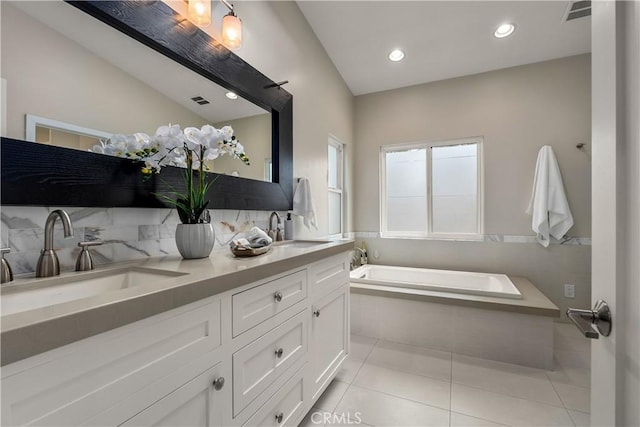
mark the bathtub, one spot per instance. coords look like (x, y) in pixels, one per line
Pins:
(460, 282)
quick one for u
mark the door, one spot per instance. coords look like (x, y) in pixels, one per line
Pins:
(329, 335)
(615, 387)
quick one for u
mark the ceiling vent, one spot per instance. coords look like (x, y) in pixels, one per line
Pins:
(577, 9)
(200, 100)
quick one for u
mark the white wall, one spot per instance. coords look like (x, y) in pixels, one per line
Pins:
(48, 75)
(517, 111)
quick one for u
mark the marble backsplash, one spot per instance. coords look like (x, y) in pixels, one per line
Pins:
(126, 233)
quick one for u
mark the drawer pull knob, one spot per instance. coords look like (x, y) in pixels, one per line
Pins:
(218, 383)
(278, 296)
(279, 353)
(279, 417)
(316, 313)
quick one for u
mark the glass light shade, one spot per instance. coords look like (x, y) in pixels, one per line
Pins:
(232, 31)
(200, 12)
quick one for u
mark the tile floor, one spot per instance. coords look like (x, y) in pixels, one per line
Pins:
(390, 384)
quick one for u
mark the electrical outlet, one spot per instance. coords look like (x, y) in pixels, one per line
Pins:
(569, 291)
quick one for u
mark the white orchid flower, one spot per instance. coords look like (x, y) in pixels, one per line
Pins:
(193, 138)
(227, 132)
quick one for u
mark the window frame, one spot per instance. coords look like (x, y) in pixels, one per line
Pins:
(339, 145)
(428, 233)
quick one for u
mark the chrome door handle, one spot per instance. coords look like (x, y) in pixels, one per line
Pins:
(600, 317)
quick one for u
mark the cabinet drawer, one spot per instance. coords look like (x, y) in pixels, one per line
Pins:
(97, 373)
(285, 407)
(258, 304)
(257, 365)
(329, 274)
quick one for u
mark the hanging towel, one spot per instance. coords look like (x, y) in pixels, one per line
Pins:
(303, 204)
(549, 208)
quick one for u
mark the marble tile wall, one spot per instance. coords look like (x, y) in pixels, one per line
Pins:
(126, 233)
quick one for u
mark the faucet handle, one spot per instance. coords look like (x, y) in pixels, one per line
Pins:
(84, 261)
(89, 243)
(6, 275)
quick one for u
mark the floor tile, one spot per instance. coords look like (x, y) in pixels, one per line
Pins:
(412, 359)
(331, 396)
(379, 409)
(461, 420)
(505, 409)
(349, 369)
(504, 378)
(361, 346)
(576, 398)
(407, 386)
(341, 420)
(314, 418)
(571, 368)
(580, 419)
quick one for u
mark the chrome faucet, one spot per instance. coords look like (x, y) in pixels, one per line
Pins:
(275, 233)
(48, 264)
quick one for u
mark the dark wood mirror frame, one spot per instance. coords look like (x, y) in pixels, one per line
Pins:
(42, 175)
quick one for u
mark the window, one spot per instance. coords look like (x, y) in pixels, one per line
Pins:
(432, 190)
(335, 183)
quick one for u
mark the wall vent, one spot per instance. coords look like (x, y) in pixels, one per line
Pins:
(200, 100)
(577, 9)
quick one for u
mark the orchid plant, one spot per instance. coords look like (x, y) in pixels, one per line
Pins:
(190, 148)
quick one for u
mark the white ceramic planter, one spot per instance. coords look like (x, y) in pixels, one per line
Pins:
(195, 240)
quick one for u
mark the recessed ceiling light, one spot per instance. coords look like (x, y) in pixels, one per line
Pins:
(231, 95)
(504, 30)
(396, 55)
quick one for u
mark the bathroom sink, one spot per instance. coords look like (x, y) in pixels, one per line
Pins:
(301, 244)
(44, 292)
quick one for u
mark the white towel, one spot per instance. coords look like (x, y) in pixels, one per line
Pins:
(258, 236)
(549, 208)
(303, 204)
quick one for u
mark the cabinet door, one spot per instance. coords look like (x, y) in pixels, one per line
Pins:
(199, 402)
(329, 336)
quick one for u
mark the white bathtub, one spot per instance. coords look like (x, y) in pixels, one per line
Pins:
(462, 282)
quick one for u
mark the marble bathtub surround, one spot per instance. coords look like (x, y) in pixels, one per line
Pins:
(127, 233)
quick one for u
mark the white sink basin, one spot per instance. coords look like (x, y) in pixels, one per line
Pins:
(50, 291)
(302, 244)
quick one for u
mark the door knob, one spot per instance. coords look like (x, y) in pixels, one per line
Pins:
(600, 317)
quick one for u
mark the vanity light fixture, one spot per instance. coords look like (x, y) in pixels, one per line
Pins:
(396, 55)
(200, 14)
(231, 95)
(504, 30)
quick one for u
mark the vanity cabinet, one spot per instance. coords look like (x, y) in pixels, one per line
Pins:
(198, 403)
(259, 354)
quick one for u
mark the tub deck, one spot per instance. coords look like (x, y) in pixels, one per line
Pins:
(533, 301)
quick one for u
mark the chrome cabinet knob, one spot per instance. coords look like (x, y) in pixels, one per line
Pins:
(277, 296)
(316, 313)
(279, 417)
(218, 383)
(279, 353)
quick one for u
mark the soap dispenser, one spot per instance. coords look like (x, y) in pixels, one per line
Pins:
(7, 274)
(288, 227)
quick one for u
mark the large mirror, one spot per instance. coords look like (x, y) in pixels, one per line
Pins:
(72, 79)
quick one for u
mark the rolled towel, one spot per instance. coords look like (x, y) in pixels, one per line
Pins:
(256, 235)
(240, 244)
